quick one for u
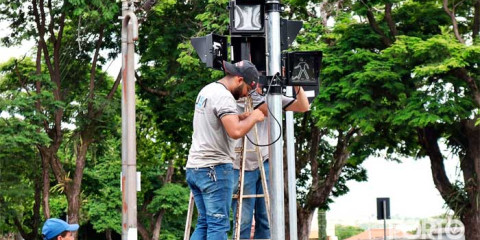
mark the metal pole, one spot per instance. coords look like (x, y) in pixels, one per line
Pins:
(274, 100)
(129, 161)
(292, 191)
(384, 202)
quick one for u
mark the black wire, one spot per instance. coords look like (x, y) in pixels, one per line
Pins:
(276, 120)
(296, 94)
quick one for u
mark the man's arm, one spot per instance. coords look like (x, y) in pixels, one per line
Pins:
(299, 105)
(237, 128)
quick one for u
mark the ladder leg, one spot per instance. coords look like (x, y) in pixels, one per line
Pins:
(241, 178)
(263, 176)
(188, 224)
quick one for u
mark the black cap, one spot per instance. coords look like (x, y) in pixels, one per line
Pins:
(244, 69)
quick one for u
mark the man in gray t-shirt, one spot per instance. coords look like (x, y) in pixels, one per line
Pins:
(216, 126)
(255, 207)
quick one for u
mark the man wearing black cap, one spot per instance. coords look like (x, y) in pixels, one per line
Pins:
(216, 125)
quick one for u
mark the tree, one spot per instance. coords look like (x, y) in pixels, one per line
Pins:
(60, 66)
(413, 94)
(20, 182)
(327, 155)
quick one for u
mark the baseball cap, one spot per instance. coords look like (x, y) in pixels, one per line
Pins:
(54, 226)
(244, 69)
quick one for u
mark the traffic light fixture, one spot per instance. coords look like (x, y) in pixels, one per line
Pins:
(247, 17)
(248, 42)
(212, 50)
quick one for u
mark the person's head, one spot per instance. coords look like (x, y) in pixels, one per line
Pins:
(245, 75)
(58, 229)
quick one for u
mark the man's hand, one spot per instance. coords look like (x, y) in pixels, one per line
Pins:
(243, 115)
(258, 115)
(236, 127)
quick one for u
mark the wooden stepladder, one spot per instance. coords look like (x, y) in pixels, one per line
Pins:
(239, 195)
(243, 154)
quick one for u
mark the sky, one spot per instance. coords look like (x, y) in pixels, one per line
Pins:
(409, 184)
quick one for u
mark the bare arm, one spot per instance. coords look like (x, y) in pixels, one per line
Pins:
(237, 128)
(300, 104)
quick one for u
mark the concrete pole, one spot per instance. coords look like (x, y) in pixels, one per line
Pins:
(129, 161)
(274, 101)
(292, 191)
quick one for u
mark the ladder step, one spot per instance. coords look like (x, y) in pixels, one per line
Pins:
(251, 150)
(235, 196)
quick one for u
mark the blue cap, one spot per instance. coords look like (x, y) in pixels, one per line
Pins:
(54, 226)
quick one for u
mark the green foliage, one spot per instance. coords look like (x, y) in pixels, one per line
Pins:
(387, 93)
(344, 232)
(173, 197)
(104, 202)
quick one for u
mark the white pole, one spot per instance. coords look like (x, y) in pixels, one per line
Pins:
(292, 191)
(129, 161)
(274, 101)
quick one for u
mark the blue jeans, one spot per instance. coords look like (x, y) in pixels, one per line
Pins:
(252, 184)
(213, 197)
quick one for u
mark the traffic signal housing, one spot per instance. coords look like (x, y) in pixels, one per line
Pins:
(247, 17)
(212, 50)
(302, 68)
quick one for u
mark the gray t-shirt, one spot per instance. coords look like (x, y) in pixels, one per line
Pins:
(211, 144)
(251, 161)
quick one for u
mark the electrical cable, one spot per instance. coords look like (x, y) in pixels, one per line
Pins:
(276, 120)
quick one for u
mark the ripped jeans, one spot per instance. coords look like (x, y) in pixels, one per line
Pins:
(212, 188)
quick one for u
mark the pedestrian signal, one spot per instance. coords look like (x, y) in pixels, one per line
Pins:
(302, 68)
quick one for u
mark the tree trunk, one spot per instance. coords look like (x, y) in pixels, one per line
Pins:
(46, 186)
(158, 225)
(470, 166)
(75, 187)
(108, 234)
(305, 217)
(471, 220)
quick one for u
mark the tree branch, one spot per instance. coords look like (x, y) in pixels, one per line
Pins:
(52, 22)
(373, 23)
(20, 228)
(454, 20)
(319, 195)
(22, 83)
(60, 31)
(93, 71)
(158, 225)
(428, 139)
(389, 19)
(142, 230)
(476, 20)
(462, 73)
(155, 92)
(315, 139)
(40, 22)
